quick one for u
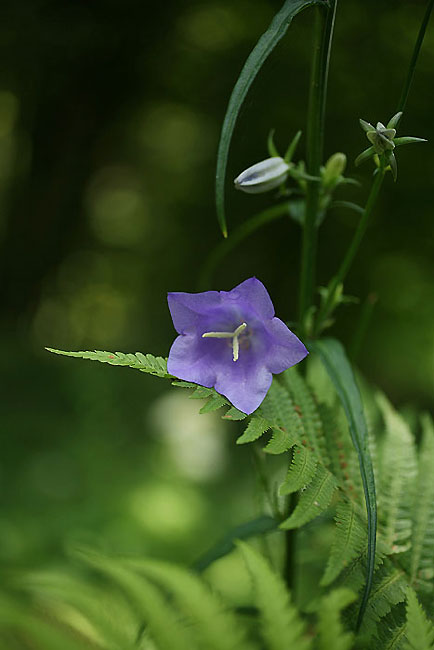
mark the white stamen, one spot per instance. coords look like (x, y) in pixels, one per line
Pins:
(229, 335)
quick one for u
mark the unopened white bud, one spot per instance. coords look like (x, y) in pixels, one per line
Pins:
(265, 175)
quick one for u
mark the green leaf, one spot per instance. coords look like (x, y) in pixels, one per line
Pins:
(281, 626)
(301, 470)
(306, 408)
(234, 414)
(313, 500)
(259, 526)
(145, 362)
(419, 631)
(349, 541)
(254, 63)
(406, 139)
(331, 633)
(271, 146)
(163, 621)
(215, 626)
(279, 409)
(339, 369)
(256, 427)
(397, 474)
(214, 402)
(422, 541)
(280, 442)
(388, 590)
(292, 147)
(365, 155)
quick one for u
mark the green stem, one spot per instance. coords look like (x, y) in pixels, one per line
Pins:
(353, 248)
(324, 24)
(362, 325)
(410, 74)
(242, 232)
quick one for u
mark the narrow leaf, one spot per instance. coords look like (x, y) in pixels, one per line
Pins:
(339, 369)
(259, 526)
(254, 63)
(145, 362)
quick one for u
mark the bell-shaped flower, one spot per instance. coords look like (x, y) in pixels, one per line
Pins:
(231, 341)
(263, 176)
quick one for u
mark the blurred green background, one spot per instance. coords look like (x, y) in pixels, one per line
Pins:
(109, 122)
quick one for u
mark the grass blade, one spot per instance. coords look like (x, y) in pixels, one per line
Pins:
(254, 63)
(333, 356)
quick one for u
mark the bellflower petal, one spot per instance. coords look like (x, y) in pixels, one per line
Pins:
(231, 340)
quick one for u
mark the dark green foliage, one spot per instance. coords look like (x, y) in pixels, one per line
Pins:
(312, 435)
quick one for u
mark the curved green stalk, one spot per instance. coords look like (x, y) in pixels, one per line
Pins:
(417, 47)
(225, 246)
(352, 250)
(257, 57)
(324, 25)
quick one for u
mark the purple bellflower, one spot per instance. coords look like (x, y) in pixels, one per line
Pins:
(231, 341)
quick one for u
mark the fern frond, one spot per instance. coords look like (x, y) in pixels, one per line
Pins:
(107, 621)
(314, 499)
(349, 540)
(419, 631)
(390, 634)
(214, 403)
(306, 406)
(281, 625)
(279, 410)
(280, 441)
(422, 541)
(255, 429)
(389, 589)
(162, 620)
(215, 625)
(234, 414)
(331, 633)
(301, 470)
(156, 366)
(397, 474)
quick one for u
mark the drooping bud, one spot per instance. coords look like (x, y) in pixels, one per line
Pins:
(334, 169)
(263, 176)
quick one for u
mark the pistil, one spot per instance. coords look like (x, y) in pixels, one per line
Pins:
(229, 335)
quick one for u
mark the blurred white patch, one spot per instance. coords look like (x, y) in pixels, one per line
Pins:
(196, 443)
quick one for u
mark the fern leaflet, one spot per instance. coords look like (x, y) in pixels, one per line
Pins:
(280, 623)
(397, 474)
(216, 626)
(156, 366)
(313, 500)
(350, 538)
(301, 470)
(331, 633)
(421, 560)
(419, 631)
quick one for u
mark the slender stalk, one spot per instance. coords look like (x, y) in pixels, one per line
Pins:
(417, 46)
(225, 246)
(289, 567)
(353, 248)
(324, 25)
(362, 326)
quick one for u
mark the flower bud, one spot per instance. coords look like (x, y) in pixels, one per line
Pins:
(333, 169)
(264, 176)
